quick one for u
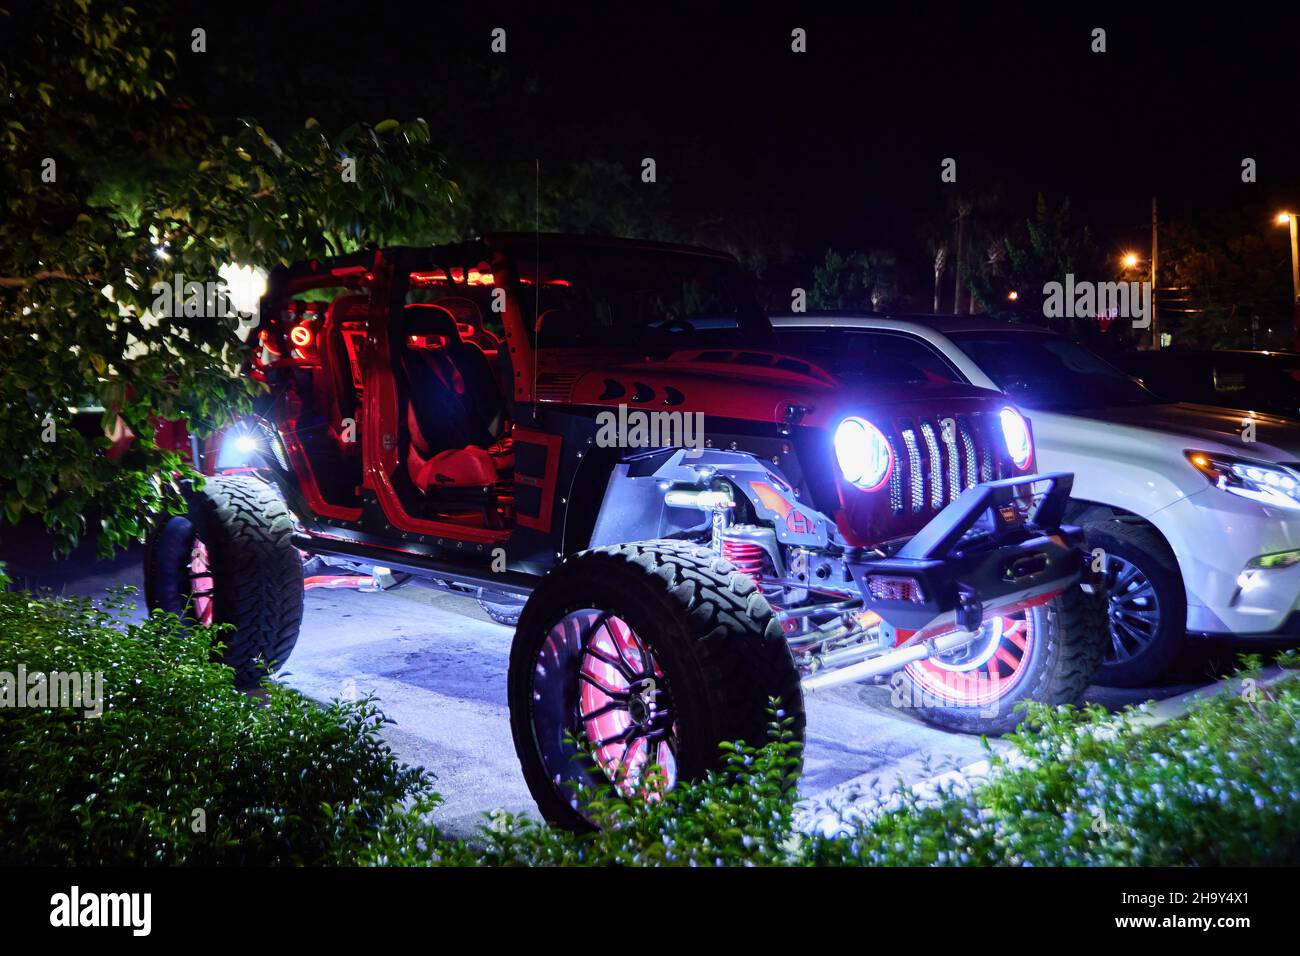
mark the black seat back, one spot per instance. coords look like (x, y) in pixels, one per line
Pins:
(453, 394)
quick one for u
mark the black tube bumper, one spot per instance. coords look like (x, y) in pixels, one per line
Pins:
(998, 547)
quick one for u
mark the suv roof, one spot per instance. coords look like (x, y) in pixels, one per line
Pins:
(940, 323)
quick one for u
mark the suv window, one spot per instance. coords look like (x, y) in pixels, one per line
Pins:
(865, 357)
(1047, 371)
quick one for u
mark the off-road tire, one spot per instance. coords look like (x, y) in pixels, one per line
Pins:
(1144, 548)
(717, 639)
(256, 571)
(504, 614)
(1069, 638)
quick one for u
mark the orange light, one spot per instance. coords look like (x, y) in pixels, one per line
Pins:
(300, 336)
(1130, 260)
(1283, 218)
(1013, 295)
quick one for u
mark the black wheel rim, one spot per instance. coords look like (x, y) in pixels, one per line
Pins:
(596, 681)
(1132, 610)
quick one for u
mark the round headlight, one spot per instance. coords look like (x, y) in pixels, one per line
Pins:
(1016, 432)
(863, 453)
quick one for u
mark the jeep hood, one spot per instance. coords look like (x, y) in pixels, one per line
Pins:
(1276, 439)
(761, 386)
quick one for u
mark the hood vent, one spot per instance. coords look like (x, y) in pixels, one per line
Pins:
(555, 386)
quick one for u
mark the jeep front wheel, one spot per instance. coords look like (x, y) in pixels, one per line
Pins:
(641, 656)
(1048, 653)
(231, 560)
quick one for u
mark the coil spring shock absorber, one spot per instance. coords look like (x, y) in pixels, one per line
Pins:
(742, 545)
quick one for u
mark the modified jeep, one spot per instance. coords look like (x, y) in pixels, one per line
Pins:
(601, 439)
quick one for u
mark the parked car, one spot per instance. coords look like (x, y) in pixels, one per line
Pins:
(1234, 378)
(751, 534)
(1200, 527)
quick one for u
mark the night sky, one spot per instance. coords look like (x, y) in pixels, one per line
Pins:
(840, 146)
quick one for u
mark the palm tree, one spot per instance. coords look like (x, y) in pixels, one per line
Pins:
(940, 251)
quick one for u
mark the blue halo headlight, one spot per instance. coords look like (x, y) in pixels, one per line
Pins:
(863, 453)
(1016, 432)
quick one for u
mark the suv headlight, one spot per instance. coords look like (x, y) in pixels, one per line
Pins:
(1269, 484)
(864, 454)
(1016, 432)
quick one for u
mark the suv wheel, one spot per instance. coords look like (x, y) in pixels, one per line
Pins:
(231, 560)
(1146, 603)
(652, 654)
(1047, 654)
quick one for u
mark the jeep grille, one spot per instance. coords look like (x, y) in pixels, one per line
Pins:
(933, 467)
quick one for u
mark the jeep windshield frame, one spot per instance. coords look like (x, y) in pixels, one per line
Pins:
(647, 297)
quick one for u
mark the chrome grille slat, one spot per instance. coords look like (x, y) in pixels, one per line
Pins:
(949, 436)
(916, 486)
(945, 466)
(895, 480)
(968, 448)
(936, 466)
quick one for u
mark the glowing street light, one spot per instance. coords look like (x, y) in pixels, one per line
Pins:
(1013, 295)
(1284, 219)
(1130, 260)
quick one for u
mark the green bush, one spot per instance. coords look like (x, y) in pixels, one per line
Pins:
(1220, 786)
(180, 767)
(282, 780)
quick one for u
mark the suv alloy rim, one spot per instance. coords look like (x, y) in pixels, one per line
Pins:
(1132, 610)
(622, 708)
(983, 672)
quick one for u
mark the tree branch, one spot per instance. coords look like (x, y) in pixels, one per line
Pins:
(20, 282)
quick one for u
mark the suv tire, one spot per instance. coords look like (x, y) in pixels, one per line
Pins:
(685, 624)
(240, 531)
(1138, 655)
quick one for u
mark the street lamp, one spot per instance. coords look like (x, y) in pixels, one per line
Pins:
(1284, 219)
(1013, 295)
(1130, 260)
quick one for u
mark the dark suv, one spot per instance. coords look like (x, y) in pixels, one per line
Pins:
(698, 522)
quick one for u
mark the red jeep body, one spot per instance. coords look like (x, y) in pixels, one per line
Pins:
(700, 523)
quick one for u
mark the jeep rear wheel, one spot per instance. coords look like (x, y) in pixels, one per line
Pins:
(502, 610)
(1047, 653)
(638, 656)
(231, 560)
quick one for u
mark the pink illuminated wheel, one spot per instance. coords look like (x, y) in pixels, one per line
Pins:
(1048, 653)
(633, 664)
(624, 703)
(986, 670)
(202, 587)
(230, 560)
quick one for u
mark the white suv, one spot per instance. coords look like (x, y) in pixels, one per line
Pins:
(1196, 508)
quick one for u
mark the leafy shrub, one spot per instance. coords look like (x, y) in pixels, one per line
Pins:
(741, 815)
(1220, 786)
(275, 779)
(280, 780)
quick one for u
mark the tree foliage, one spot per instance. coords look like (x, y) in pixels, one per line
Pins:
(114, 181)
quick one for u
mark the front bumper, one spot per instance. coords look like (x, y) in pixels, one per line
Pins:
(996, 549)
(1215, 536)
